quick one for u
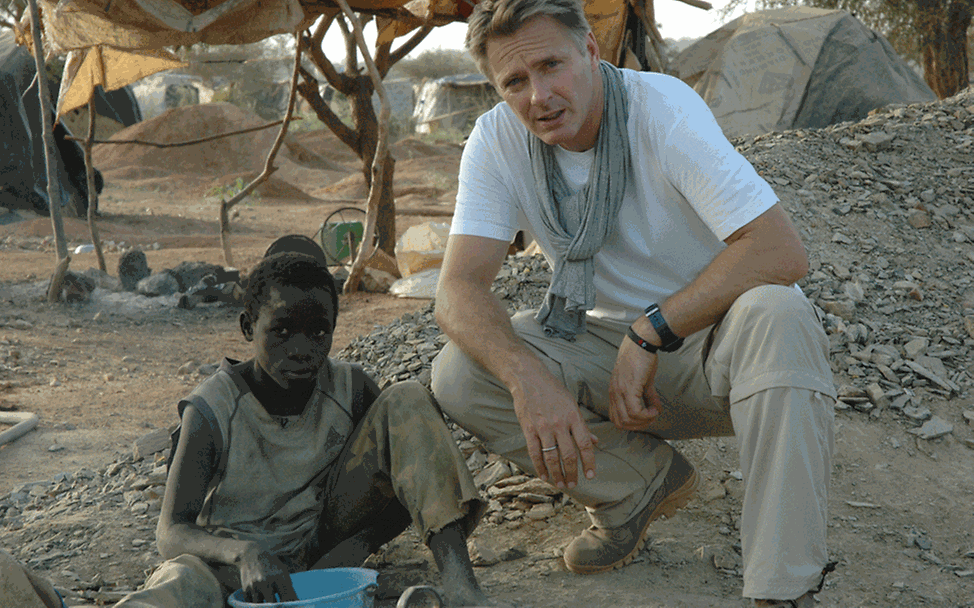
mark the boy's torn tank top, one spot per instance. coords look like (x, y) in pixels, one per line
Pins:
(269, 485)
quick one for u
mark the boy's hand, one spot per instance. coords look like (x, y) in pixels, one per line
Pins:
(264, 578)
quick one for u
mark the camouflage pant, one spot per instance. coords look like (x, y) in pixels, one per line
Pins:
(401, 456)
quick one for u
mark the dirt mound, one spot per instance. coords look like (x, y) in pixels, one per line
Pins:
(352, 187)
(326, 145)
(245, 152)
(134, 172)
(302, 155)
(272, 188)
(411, 147)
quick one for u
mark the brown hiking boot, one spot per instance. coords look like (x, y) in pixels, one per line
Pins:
(602, 549)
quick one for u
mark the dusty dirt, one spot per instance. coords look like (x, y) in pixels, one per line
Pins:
(100, 382)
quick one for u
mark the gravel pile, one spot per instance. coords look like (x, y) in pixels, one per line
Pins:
(885, 209)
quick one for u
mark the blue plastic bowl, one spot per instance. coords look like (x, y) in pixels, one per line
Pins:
(331, 588)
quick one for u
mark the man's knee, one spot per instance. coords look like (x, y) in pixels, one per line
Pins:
(777, 310)
(774, 300)
(452, 380)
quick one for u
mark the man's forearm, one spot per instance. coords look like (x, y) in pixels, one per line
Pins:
(477, 322)
(771, 255)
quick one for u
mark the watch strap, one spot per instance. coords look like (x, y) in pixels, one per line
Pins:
(643, 344)
(670, 341)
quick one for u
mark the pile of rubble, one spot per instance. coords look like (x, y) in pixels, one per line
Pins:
(885, 209)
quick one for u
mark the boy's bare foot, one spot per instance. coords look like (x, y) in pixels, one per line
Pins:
(460, 587)
(422, 595)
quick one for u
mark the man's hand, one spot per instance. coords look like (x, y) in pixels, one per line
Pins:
(633, 401)
(550, 418)
(264, 578)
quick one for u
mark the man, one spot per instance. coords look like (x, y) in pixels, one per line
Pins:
(672, 311)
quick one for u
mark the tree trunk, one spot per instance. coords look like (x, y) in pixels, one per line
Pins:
(943, 26)
(367, 126)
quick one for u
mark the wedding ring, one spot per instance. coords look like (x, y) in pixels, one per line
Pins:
(554, 447)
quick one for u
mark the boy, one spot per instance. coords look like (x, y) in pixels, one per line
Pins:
(292, 461)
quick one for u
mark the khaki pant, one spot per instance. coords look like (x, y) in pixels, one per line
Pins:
(23, 588)
(401, 451)
(762, 373)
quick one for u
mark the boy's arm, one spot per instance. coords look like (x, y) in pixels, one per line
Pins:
(177, 533)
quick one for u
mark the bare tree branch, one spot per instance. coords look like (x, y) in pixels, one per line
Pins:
(351, 51)
(407, 47)
(379, 160)
(92, 190)
(309, 90)
(178, 144)
(50, 153)
(336, 80)
(382, 63)
(269, 167)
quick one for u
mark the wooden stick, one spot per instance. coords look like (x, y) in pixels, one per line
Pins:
(269, 167)
(699, 4)
(178, 144)
(57, 279)
(92, 191)
(378, 161)
(22, 421)
(50, 152)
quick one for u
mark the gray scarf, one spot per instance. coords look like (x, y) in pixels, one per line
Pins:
(578, 223)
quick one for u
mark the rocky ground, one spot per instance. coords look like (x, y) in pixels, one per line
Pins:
(885, 208)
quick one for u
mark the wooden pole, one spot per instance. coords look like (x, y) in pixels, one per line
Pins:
(378, 161)
(92, 191)
(269, 168)
(178, 144)
(50, 156)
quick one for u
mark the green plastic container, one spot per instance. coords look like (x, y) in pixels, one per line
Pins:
(340, 241)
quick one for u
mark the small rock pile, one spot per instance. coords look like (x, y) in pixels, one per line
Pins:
(48, 523)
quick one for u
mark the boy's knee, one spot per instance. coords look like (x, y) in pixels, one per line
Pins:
(409, 399)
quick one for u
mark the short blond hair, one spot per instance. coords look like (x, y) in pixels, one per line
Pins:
(493, 18)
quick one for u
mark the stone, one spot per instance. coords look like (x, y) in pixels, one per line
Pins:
(845, 309)
(876, 141)
(491, 474)
(919, 219)
(188, 274)
(133, 266)
(917, 412)
(532, 486)
(854, 291)
(151, 443)
(877, 396)
(159, 284)
(187, 368)
(933, 428)
(483, 553)
(916, 347)
(541, 511)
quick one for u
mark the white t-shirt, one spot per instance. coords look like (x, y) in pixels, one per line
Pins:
(690, 190)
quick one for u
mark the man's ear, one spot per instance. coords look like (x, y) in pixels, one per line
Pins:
(592, 45)
(247, 326)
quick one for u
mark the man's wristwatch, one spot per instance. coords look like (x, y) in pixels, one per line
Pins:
(670, 341)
